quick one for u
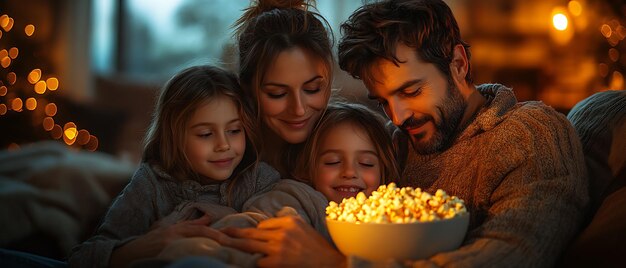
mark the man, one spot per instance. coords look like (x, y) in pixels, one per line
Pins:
(518, 166)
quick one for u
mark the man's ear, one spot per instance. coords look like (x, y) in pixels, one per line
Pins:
(459, 65)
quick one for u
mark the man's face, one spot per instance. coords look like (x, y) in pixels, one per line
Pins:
(419, 99)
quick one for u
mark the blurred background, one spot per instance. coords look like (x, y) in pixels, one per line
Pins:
(86, 73)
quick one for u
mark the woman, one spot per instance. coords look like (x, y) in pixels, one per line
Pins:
(285, 61)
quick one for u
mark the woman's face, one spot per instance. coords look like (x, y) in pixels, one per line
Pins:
(293, 94)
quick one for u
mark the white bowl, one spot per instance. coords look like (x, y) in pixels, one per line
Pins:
(399, 241)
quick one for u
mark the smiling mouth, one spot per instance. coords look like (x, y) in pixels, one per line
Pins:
(348, 189)
(222, 162)
(296, 124)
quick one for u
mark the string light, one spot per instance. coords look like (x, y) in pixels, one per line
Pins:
(17, 102)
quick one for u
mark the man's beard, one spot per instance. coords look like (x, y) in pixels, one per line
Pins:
(446, 131)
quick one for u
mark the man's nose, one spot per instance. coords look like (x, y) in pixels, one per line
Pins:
(396, 112)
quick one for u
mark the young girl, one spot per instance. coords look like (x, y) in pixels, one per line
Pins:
(200, 153)
(349, 152)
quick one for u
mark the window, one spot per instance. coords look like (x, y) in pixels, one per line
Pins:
(151, 40)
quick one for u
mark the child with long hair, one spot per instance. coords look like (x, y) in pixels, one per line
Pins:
(199, 163)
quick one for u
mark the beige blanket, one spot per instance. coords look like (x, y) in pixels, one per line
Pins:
(56, 195)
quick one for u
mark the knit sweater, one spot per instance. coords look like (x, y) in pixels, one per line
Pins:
(152, 195)
(519, 167)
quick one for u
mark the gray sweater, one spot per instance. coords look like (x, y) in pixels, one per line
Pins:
(152, 194)
(520, 169)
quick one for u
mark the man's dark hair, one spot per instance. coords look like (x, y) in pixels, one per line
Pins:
(373, 31)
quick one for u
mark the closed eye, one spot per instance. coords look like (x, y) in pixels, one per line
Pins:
(276, 96)
(330, 163)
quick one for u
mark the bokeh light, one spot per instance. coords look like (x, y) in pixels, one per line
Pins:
(12, 78)
(606, 30)
(83, 137)
(52, 83)
(613, 54)
(3, 91)
(40, 87)
(34, 76)
(3, 109)
(4, 20)
(13, 52)
(16, 104)
(559, 21)
(51, 109)
(48, 123)
(69, 133)
(29, 29)
(575, 8)
(6, 62)
(31, 104)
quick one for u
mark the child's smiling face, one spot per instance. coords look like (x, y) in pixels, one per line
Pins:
(347, 163)
(215, 141)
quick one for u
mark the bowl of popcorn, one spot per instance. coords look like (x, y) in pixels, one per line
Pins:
(397, 223)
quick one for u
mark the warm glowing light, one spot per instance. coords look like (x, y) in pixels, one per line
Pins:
(6, 61)
(4, 20)
(52, 83)
(29, 29)
(40, 87)
(605, 29)
(13, 52)
(11, 77)
(13, 146)
(9, 25)
(613, 54)
(34, 76)
(617, 81)
(83, 137)
(3, 53)
(3, 109)
(48, 123)
(559, 21)
(92, 145)
(0, 34)
(3, 91)
(621, 32)
(603, 69)
(575, 8)
(16, 104)
(70, 133)
(31, 104)
(56, 132)
(51, 109)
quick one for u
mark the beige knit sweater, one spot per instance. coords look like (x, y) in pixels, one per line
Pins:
(520, 169)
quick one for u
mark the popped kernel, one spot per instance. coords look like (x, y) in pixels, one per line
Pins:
(390, 204)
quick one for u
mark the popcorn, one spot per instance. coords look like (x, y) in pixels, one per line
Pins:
(390, 204)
